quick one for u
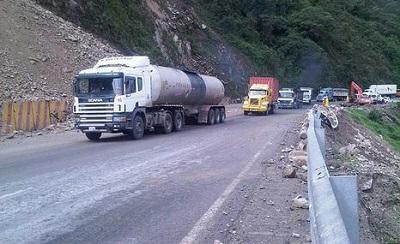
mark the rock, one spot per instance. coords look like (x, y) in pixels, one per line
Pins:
(300, 202)
(348, 150)
(218, 242)
(302, 176)
(308, 238)
(11, 136)
(203, 26)
(367, 186)
(303, 134)
(295, 235)
(302, 146)
(39, 133)
(298, 157)
(305, 168)
(289, 171)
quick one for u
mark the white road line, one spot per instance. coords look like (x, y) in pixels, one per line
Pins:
(202, 223)
(12, 194)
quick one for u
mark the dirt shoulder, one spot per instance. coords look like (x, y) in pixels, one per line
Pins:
(262, 210)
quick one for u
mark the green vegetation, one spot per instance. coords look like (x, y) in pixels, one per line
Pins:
(302, 42)
(384, 122)
(313, 42)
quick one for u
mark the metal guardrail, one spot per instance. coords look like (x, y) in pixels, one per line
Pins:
(333, 199)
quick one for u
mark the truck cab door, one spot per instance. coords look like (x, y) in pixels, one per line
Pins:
(135, 92)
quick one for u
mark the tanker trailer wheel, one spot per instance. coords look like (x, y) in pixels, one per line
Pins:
(93, 136)
(178, 121)
(223, 115)
(217, 116)
(168, 124)
(138, 128)
(211, 117)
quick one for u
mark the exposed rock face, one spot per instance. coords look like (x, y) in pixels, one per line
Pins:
(42, 52)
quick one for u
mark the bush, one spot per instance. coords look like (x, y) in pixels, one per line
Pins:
(375, 115)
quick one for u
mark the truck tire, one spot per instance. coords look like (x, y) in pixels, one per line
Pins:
(93, 136)
(217, 116)
(223, 115)
(178, 121)
(245, 113)
(272, 109)
(211, 117)
(138, 128)
(168, 124)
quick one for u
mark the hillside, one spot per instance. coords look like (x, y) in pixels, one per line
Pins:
(313, 43)
(41, 52)
(306, 42)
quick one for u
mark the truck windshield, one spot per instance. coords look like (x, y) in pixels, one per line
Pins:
(286, 94)
(99, 86)
(257, 92)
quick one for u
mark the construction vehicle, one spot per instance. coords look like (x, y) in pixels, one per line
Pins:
(262, 96)
(325, 92)
(290, 98)
(359, 97)
(129, 95)
(307, 94)
(340, 94)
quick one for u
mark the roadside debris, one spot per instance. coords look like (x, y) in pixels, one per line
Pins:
(300, 202)
(289, 171)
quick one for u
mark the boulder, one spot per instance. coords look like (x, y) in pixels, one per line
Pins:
(289, 171)
(300, 202)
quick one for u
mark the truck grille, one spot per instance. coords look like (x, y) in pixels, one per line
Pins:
(95, 114)
(254, 101)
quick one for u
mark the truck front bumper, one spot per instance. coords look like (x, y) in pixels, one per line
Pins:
(117, 123)
(286, 105)
(255, 108)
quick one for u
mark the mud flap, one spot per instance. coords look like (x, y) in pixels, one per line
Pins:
(203, 114)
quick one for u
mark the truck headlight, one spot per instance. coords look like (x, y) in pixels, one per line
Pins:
(246, 102)
(119, 119)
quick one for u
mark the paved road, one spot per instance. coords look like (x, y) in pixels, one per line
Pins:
(163, 189)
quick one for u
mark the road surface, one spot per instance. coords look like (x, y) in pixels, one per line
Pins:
(62, 188)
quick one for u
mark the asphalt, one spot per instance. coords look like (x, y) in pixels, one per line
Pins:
(62, 188)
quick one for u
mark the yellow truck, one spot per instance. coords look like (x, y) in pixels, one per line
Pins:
(262, 96)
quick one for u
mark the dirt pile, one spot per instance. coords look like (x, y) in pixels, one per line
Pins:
(354, 149)
(41, 52)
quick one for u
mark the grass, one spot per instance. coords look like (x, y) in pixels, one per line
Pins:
(384, 123)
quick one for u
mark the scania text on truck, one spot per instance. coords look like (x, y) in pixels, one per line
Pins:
(262, 96)
(290, 98)
(129, 95)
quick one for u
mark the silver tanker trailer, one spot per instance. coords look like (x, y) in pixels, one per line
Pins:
(129, 95)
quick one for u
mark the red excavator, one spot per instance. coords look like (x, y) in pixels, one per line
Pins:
(358, 97)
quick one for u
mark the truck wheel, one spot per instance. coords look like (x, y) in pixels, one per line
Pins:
(211, 117)
(138, 128)
(272, 109)
(168, 124)
(93, 136)
(223, 115)
(178, 121)
(217, 116)
(245, 113)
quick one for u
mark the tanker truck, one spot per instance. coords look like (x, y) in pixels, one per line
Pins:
(129, 95)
